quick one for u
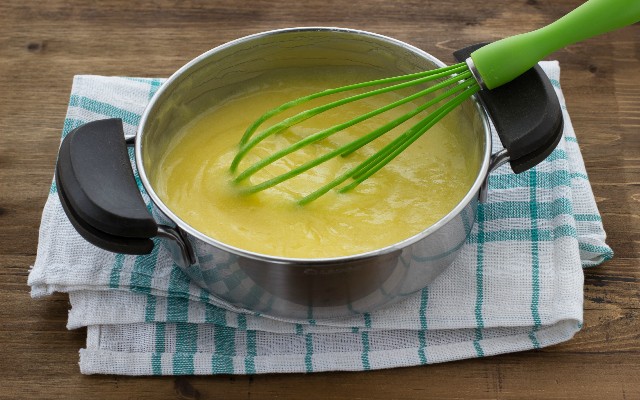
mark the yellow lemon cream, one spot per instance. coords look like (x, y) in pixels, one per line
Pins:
(408, 195)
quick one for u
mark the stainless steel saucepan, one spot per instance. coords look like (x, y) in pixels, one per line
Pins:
(102, 200)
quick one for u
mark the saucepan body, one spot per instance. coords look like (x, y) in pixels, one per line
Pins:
(304, 288)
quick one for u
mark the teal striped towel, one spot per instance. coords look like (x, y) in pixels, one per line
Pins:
(517, 285)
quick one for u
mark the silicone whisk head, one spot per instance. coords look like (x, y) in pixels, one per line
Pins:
(455, 84)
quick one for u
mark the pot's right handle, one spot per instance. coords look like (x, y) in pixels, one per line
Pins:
(98, 191)
(526, 114)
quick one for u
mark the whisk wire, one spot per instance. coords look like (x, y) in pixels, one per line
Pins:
(356, 144)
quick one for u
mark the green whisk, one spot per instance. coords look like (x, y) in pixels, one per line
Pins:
(487, 68)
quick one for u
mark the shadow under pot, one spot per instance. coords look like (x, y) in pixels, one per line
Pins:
(100, 196)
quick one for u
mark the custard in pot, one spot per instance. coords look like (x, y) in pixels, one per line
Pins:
(416, 189)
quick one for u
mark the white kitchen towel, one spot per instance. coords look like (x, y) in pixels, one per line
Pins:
(517, 284)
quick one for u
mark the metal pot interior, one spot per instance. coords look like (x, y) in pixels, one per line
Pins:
(215, 75)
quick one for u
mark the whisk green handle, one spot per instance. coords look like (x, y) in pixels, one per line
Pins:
(506, 59)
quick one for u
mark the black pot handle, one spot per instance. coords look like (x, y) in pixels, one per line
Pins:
(526, 114)
(98, 191)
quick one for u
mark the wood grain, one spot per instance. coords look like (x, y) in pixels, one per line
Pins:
(43, 44)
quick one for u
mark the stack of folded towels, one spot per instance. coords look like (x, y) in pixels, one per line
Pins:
(517, 284)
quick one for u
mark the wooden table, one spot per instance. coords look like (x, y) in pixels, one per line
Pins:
(43, 44)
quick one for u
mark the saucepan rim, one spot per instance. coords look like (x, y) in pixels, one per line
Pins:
(470, 195)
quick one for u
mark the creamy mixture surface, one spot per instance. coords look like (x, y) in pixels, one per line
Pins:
(408, 195)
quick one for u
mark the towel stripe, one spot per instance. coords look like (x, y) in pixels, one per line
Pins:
(186, 348)
(308, 357)
(547, 180)
(592, 248)
(178, 310)
(212, 314)
(150, 309)
(588, 218)
(495, 211)
(523, 235)
(249, 361)
(177, 306)
(154, 86)
(143, 270)
(579, 175)
(156, 357)
(365, 351)
(422, 347)
(70, 124)
(114, 280)
(249, 364)
(106, 109)
(535, 261)
(479, 280)
(224, 339)
(365, 342)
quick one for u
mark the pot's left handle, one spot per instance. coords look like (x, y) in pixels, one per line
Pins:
(98, 191)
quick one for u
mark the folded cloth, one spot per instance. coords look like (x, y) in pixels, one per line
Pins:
(516, 285)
